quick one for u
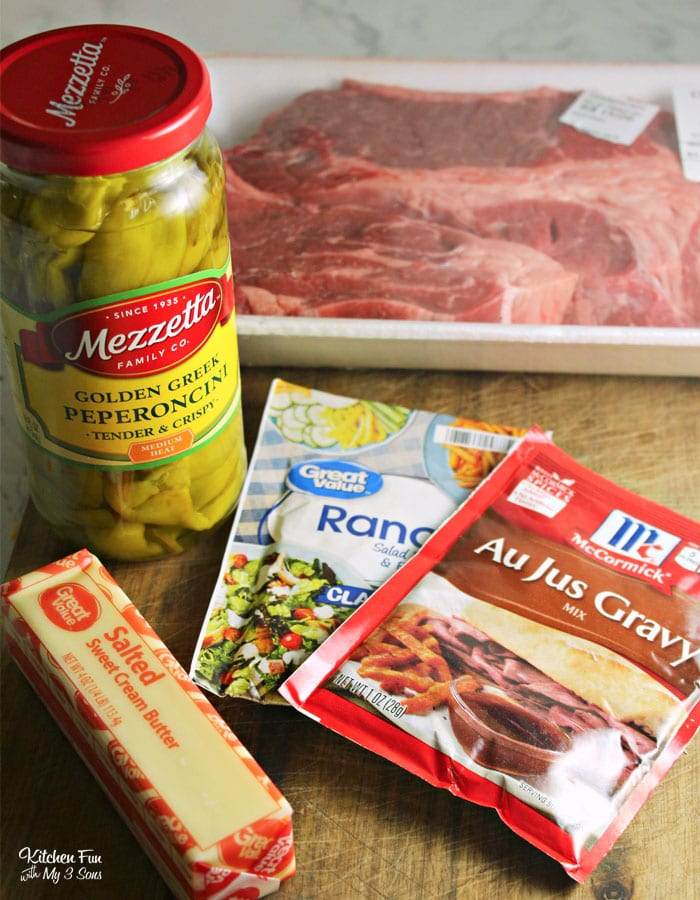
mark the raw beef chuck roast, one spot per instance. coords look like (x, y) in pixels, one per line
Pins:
(342, 260)
(383, 202)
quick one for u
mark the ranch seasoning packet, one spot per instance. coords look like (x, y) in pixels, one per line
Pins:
(340, 493)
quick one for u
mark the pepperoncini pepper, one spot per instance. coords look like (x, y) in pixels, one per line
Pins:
(117, 297)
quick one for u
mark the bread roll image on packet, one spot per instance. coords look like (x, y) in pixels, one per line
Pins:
(340, 492)
(210, 819)
(540, 654)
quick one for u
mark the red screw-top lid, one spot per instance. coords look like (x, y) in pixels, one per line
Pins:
(98, 99)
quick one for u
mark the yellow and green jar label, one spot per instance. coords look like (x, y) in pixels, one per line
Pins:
(130, 380)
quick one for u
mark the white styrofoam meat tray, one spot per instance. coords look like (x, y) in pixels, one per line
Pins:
(246, 88)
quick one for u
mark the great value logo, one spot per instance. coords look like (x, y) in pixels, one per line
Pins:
(631, 537)
(334, 478)
(70, 606)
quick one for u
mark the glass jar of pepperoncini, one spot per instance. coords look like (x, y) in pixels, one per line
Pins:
(117, 296)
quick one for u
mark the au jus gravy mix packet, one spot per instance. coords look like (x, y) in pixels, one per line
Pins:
(540, 654)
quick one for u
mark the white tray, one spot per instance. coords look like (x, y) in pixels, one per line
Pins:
(246, 88)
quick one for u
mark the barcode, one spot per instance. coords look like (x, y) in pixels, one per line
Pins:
(473, 439)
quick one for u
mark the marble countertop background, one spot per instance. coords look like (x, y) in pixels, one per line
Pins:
(512, 30)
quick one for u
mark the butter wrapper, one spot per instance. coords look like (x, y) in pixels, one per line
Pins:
(210, 819)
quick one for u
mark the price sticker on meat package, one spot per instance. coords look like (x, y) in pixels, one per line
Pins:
(614, 119)
(687, 108)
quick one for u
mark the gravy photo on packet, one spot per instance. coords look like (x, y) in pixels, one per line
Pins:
(540, 654)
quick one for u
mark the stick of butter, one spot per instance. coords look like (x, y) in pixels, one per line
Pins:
(208, 816)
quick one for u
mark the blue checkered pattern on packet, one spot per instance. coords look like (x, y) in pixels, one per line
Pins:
(274, 456)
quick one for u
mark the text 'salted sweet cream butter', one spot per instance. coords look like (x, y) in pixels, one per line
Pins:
(208, 816)
(116, 288)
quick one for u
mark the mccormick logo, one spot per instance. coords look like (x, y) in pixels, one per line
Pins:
(141, 336)
(634, 538)
(334, 478)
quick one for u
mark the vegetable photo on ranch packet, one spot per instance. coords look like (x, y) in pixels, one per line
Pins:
(340, 493)
(540, 654)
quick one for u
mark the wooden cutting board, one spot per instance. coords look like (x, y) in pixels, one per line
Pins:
(365, 828)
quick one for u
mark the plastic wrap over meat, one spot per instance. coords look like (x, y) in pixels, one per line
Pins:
(382, 202)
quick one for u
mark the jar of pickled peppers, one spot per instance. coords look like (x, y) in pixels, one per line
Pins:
(117, 295)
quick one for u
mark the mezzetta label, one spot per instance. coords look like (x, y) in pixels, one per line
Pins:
(142, 334)
(132, 379)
